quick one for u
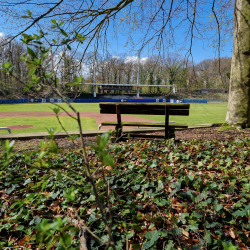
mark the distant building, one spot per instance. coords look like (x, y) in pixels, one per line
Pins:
(206, 91)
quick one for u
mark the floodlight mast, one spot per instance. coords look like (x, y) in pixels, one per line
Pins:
(138, 74)
(94, 75)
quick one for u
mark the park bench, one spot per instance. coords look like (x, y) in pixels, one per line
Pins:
(165, 109)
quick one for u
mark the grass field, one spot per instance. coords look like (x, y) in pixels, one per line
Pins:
(199, 114)
(41, 123)
(84, 107)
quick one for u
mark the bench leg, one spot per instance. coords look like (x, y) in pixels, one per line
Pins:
(171, 134)
(119, 126)
(166, 136)
(118, 131)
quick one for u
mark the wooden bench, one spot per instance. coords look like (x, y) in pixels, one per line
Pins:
(166, 109)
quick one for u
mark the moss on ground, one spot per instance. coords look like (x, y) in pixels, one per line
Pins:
(226, 126)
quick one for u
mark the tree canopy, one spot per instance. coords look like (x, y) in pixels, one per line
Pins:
(161, 24)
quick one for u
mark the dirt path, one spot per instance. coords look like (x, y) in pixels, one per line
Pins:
(98, 117)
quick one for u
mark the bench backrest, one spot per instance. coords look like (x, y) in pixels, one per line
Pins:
(145, 108)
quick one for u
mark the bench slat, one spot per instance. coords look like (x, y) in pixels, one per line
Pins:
(146, 112)
(145, 124)
(145, 109)
(148, 105)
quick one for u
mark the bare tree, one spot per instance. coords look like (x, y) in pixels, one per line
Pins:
(12, 52)
(213, 76)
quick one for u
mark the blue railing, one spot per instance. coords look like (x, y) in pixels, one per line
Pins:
(194, 101)
(52, 100)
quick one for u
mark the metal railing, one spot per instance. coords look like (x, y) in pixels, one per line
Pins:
(6, 128)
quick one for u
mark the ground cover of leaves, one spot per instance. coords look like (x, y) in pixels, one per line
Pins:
(164, 195)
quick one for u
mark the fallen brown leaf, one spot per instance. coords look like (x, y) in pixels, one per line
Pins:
(231, 233)
(185, 233)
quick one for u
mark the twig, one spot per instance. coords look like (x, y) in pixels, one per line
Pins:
(81, 221)
(119, 138)
(6, 248)
(96, 170)
(82, 231)
(65, 111)
(35, 21)
(64, 128)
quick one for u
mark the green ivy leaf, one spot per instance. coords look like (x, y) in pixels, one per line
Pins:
(19, 228)
(170, 245)
(136, 247)
(148, 244)
(153, 236)
(192, 228)
(53, 147)
(35, 221)
(218, 207)
(65, 239)
(239, 213)
(176, 231)
(207, 237)
(59, 175)
(130, 234)
(197, 247)
(160, 185)
(229, 247)
(70, 193)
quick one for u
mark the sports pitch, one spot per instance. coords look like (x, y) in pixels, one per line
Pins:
(199, 114)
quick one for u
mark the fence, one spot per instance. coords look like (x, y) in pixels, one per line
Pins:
(211, 100)
(52, 100)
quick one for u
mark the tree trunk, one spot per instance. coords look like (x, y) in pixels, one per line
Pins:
(238, 110)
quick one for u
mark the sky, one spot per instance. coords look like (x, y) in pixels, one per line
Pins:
(201, 49)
